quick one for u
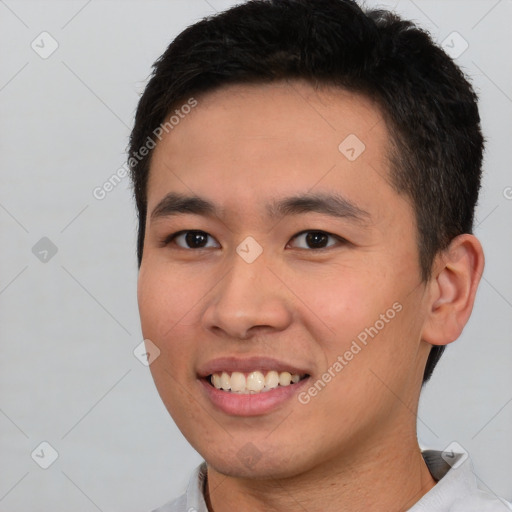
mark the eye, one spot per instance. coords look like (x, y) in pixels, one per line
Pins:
(192, 239)
(316, 240)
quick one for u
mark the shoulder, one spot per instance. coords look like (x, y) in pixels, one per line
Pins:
(457, 487)
(193, 499)
(177, 505)
(480, 501)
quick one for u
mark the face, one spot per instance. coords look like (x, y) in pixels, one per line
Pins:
(276, 248)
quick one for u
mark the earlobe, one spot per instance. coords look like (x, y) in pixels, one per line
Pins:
(453, 285)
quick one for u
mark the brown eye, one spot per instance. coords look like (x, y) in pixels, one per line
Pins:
(193, 240)
(315, 240)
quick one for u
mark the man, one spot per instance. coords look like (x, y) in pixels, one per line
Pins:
(306, 175)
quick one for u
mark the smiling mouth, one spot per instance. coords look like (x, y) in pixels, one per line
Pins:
(253, 382)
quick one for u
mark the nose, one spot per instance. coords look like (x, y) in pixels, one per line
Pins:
(249, 300)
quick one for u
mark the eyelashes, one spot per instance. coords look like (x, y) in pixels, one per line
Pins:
(189, 237)
(317, 239)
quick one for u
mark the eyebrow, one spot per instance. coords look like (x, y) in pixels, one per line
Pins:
(330, 204)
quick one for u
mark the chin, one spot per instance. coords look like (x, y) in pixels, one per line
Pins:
(252, 462)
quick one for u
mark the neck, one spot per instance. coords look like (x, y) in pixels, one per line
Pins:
(391, 476)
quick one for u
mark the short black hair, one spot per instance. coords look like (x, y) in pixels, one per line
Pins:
(429, 106)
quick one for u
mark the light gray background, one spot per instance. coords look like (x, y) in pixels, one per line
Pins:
(69, 326)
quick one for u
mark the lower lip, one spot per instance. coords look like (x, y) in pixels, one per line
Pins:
(237, 404)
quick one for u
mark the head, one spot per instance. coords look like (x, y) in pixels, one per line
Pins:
(279, 98)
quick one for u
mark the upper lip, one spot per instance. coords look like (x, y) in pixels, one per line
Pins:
(249, 364)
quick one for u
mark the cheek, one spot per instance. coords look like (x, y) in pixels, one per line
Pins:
(168, 307)
(166, 304)
(360, 316)
(167, 298)
(339, 303)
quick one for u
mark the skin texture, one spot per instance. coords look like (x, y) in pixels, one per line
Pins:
(353, 446)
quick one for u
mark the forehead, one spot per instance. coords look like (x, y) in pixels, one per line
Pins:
(253, 140)
(282, 110)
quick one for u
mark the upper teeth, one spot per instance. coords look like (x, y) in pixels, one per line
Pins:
(254, 382)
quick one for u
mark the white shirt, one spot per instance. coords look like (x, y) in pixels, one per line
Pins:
(456, 490)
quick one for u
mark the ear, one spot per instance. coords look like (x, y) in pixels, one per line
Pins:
(452, 288)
